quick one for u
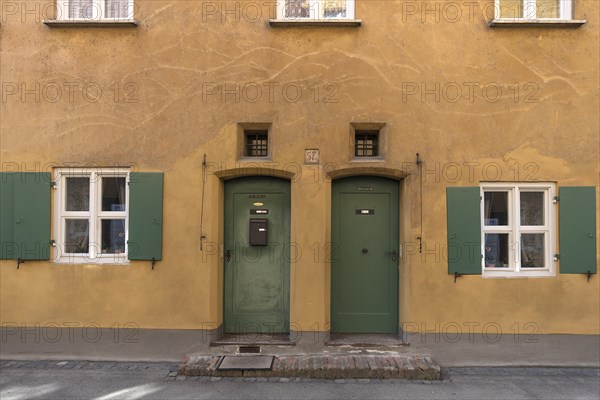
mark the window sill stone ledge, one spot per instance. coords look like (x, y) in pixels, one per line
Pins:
(57, 23)
(286, 23)
(536, 23)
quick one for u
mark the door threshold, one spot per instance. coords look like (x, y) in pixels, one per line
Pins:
(366, 340)
(249, 339)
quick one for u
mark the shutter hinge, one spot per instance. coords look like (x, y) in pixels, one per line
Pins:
(52, 185)
(456, 276)
(556, 257)
(555, 200)
(52, 242)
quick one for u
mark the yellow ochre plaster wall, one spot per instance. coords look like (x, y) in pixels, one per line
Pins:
(532, 116)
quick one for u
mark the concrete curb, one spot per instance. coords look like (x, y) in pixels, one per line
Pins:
(390, 366)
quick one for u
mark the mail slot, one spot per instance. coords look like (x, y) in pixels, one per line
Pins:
(258, 231)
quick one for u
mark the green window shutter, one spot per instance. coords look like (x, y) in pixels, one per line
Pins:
(7, 193)
(577, 219)
(25, 225)
(464, 230)
(145, 216)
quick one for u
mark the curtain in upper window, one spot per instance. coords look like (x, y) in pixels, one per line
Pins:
(116, 8)
(548, 9)
(529, 9)
(81, 9)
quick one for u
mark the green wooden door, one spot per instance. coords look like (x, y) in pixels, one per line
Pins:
(257, 277)
(364, 264)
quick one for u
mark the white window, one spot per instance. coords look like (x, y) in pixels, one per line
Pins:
(91, 215)
(315, 9)
(518, 229)
(534, 9)
(95, 10)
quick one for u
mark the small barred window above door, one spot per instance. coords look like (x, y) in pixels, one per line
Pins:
(257, 143)
(366, 143)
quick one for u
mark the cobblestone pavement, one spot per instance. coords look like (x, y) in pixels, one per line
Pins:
(127, 380)
(90, 365)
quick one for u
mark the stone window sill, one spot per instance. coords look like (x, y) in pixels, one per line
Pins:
(91, 24)
(377, 159)
(311, 22)
(536, 23)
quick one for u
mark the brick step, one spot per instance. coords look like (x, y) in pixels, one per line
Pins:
(355, 366)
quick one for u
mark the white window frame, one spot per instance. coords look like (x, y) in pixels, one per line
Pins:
(530, 11)
(95, 215)
(514, 229)
(314, 14)
(98, 12)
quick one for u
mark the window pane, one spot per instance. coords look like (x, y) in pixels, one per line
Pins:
(81, 9)
(548, 9)
(532, 208)
(77, 236)
(78, 194)
(113, 194)
(297, 9)
(257, 143)
(116, 8)
(113, 236)
(366, 144)
(532, 250)
(511, 9)
(495, 208)
(496, 250)
(332, 9)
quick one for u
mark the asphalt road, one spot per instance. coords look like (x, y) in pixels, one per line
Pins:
(108, 381)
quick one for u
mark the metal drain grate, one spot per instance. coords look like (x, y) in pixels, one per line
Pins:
(246, 363)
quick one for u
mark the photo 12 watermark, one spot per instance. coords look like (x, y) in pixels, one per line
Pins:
(69, 92)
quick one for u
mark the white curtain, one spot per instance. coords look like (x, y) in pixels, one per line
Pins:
(81, 9)
(117, 9)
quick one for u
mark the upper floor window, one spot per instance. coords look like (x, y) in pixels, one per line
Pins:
(95, 10)
(534, 9)
(316, 9)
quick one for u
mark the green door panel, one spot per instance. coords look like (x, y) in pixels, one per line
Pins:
(257, 278)
(145, 216)
(463, 207)
(364, 272)
(577, 221)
